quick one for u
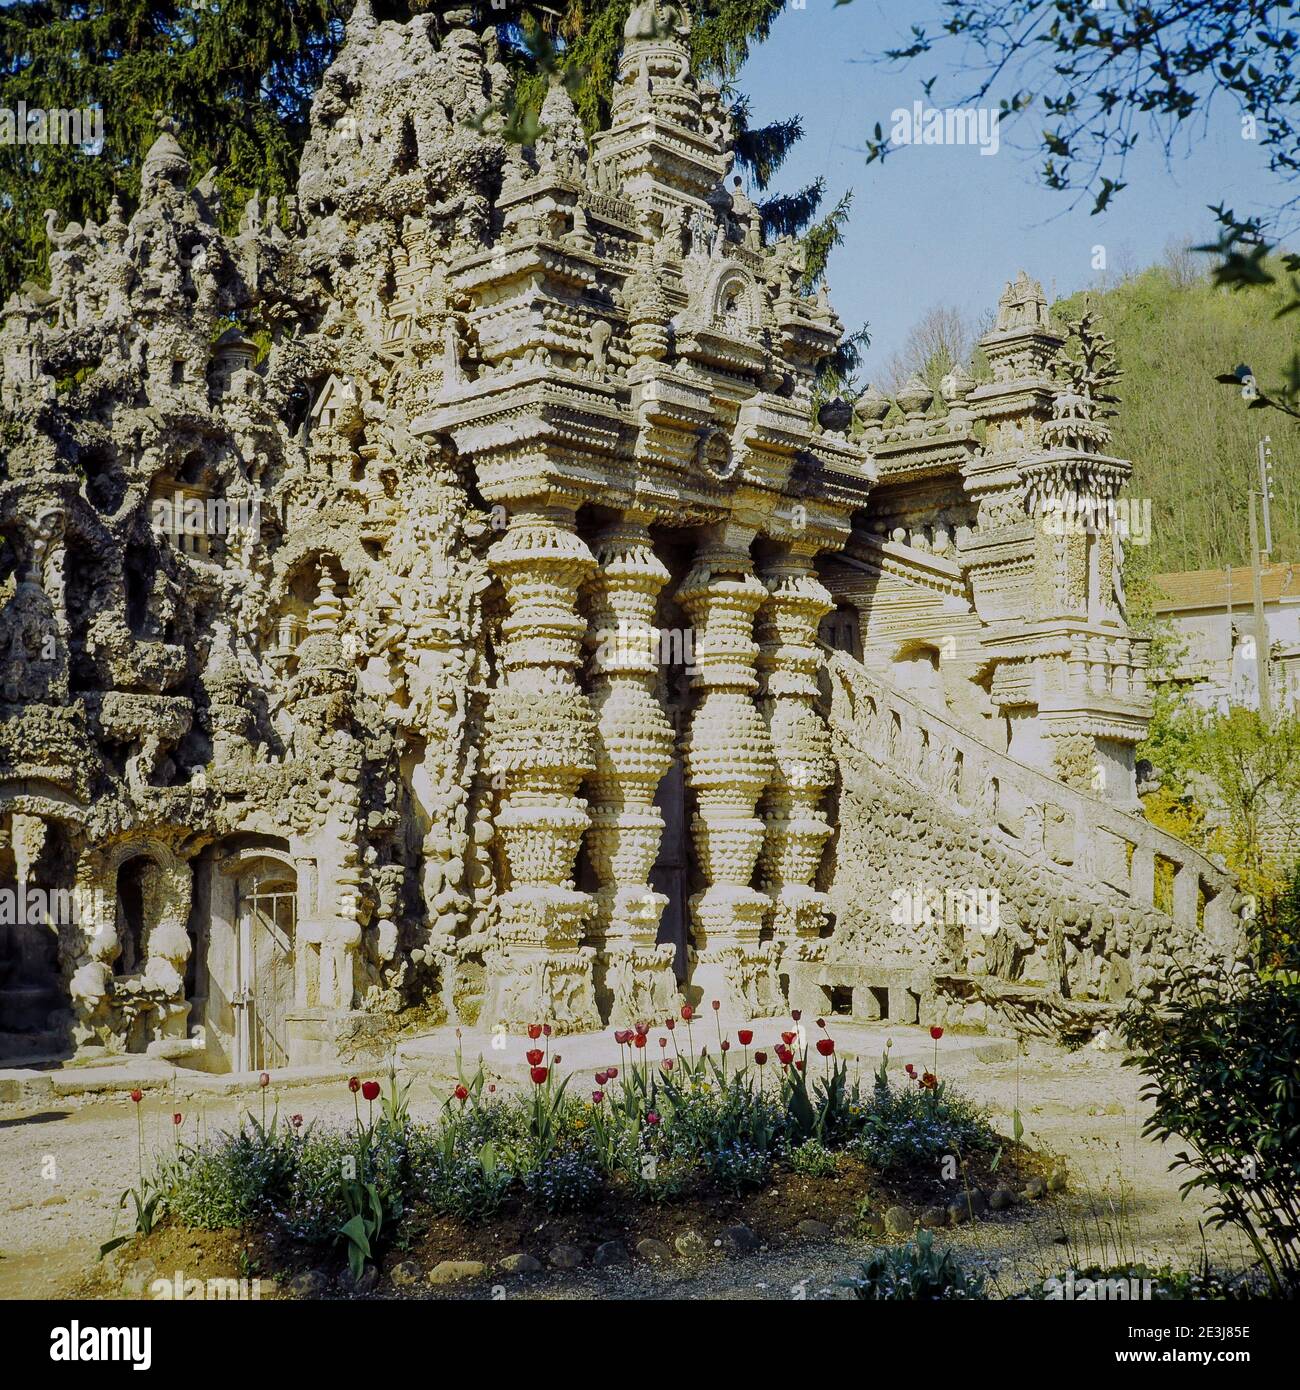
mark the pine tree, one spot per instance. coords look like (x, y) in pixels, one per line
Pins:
(237, 76)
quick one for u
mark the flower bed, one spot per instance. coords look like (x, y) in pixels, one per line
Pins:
(675, 1137)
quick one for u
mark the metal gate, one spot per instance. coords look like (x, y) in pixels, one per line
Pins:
(264, 973)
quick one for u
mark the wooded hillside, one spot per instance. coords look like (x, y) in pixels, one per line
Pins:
(1191, 439)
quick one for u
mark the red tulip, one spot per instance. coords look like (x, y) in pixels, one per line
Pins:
(725, 1045)
(264, 1079)
(910, 1069)
(296, 1121)
(746, 1036)
(601, 1077)
(761, 1058)
(639, 1040)
(546, 1030)
(354, 1085)
(716, 1005)
(929, 1081)
(539, 1074)
(798, 1066)
(137, 1096)
(534, 1031)
(555, 1060)
(641, 1029)
(611, 1072)
(667, 1064)
(663, 1042)
(821, 1023)
(534, 1056)
(597, 1097)
(936, 1033)
(788, 1038)
(796, 1014)
(651, 1118)
(784, 1053)
(825, 1046)
(670, 1024)
(370, 1089)
(492, 1089)
(622, 1036)
(176, 1119)
(688, 1013)
(461, 1093)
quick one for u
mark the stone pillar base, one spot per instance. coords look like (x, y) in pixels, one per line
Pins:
(741, 978)
(637, 982)
(802, 967)
(530, 984)
(798, 914)
(729, 961)
(536, 971)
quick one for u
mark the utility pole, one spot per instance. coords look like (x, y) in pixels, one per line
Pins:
(1261, 625)
(1266, 491)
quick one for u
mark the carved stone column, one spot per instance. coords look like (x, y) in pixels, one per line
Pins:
(797, 828)
(728, 757)
(88, 953)
(634, 741)
(540, 739)
(167, 890)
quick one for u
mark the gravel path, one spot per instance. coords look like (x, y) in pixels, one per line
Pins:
(64, 1163)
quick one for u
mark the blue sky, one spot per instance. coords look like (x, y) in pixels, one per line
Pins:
(945, 224)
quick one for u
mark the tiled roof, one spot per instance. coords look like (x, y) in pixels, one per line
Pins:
(1189, 589)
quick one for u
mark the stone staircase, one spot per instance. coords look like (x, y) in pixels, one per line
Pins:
(1043, 909)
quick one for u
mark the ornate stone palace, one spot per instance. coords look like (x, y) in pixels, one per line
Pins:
(446, 600)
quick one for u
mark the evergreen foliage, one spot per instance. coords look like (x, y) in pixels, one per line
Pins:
(238, 77)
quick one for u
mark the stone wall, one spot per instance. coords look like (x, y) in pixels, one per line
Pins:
(979, 887)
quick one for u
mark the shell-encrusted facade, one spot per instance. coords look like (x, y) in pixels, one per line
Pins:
(425, 598)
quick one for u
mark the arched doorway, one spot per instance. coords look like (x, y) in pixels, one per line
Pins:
(250, 975)
(136, 879)
(35, 908)
(264, 993)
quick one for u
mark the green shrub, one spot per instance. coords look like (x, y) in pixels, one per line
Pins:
(229, 1183)
(818, 1107)
(315, 1206)
(739, 1166)
(904, 1127)
(813, 1160)
(657, 1179)
(914, 1273)
(1220, 1065)
(500, 1120)
(470, 1187)
(564, 1182)
(216, 1188)
(702, 1122)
